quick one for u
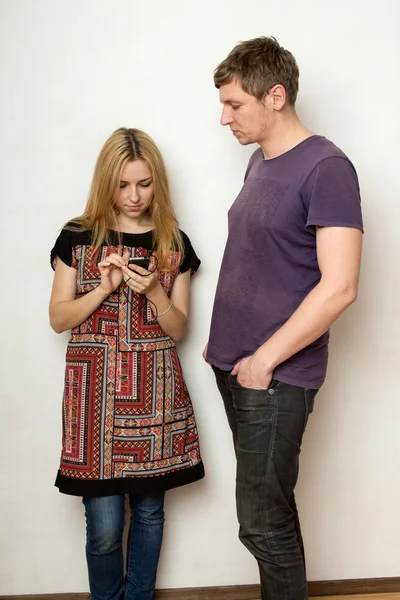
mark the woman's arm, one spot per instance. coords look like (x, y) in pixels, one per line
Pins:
(172, 313)
(66, 311)
(173, 322)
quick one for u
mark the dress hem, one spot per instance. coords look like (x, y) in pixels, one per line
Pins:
(129, 485)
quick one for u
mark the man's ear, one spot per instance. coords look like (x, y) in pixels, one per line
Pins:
(278, 97)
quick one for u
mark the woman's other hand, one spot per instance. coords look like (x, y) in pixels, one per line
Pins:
(139, 279)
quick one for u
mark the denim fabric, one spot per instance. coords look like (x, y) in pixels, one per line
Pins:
(267, 428)
(105, 519)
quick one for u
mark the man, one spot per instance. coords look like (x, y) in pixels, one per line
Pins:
(290, 268)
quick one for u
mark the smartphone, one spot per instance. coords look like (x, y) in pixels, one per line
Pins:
(140, 261)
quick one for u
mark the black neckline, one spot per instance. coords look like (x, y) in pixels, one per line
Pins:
(114, 231)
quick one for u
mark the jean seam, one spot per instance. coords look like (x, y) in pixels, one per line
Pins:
(271, 451)
(129, 544)
(270, 454)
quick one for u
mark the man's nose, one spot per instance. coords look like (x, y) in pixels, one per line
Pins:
(226, 117)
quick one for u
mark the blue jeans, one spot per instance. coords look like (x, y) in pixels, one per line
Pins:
(105, 520)
(267, 428)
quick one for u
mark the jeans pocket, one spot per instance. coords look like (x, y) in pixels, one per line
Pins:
(234, 380)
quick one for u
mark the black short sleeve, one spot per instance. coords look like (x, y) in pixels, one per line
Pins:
(190, 258)
(63, 249)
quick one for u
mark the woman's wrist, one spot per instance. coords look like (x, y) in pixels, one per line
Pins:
(164, 312)
(154, 292)
(101, 293)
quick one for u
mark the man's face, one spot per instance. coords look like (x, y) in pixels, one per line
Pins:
(247, 117)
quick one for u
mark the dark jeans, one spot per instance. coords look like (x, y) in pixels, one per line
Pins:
(267, 427)
(105, 519)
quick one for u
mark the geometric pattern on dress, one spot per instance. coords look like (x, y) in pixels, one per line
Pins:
(138, 328)
(83, 392)
(180, 438)
(134, 394)
(180, 399)
(161, 467)
(182, 441)
(127, 410)
(76, 406)
(137, 448)
(103, 320)
(137, 320)
(175, 440)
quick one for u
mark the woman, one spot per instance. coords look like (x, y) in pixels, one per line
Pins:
(128, 423)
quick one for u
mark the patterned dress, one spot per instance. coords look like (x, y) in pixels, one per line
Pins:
(128, 422)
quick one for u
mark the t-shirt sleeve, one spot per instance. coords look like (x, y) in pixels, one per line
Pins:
(331, 195)
(190, 258)
(63, 249)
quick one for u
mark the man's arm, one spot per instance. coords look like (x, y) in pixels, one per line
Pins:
(339, 256)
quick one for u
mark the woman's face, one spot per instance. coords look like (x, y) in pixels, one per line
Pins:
(135, 192)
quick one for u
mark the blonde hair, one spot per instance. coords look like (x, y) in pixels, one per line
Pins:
(100, 216)
(259, 65)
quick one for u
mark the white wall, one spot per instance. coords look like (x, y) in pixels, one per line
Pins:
(72, 72)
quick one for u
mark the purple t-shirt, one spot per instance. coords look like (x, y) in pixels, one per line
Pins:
(270, 260)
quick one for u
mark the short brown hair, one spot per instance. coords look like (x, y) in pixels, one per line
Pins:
(258, 65)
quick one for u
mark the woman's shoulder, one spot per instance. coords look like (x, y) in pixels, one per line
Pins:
(73, 232)
(190, 258)
(70, 236)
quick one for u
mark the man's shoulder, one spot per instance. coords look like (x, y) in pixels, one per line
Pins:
(319, 148)
(311, 150)
(297, 164)
(314, 152)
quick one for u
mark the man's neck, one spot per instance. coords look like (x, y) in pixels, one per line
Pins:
(287, 133)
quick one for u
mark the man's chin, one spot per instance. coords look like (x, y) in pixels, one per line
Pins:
(243, 141)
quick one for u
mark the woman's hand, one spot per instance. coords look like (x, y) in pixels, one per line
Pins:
(139, 280)
(111, 271)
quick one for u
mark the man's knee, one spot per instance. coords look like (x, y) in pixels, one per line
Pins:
(271, 539)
